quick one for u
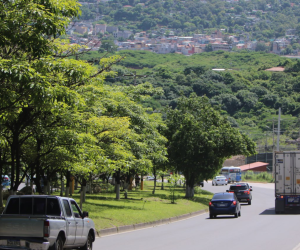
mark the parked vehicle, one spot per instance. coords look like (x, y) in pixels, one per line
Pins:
(224, 203)
(287, 181)
(242, 191)
(219, 180)
(233, 174)
(39, 222)
(5, 180)
(201, 183)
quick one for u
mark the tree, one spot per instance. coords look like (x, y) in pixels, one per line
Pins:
(208, 48)
(200, 139)
(42, 108)
(147, 24)
(24, 86)
(108, 45)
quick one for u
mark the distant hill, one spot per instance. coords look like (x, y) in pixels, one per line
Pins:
(255, 19)
(245, 92)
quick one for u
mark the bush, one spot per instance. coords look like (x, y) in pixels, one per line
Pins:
(197, 190)
(262, 176)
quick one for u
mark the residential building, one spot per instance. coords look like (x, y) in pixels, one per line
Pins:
(99, 28)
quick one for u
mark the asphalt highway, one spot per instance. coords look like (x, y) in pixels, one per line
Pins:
(258, 228)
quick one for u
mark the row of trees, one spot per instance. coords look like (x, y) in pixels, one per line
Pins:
(56, 116)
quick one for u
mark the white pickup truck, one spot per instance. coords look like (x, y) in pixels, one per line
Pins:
(41, 222)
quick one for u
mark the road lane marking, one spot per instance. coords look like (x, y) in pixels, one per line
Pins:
(297, 247)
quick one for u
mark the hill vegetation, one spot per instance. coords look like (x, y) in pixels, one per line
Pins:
(248, 94)
(256, 19)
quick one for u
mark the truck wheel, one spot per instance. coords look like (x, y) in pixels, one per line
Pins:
(58, 245)
(89, 243)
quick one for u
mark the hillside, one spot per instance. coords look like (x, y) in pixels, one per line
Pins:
(244, 91)
(255, 19)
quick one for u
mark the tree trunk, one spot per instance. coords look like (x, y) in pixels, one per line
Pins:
(118, 181)
(68, 184)
(31, 181)
(162, 182)
(142, 182)
(1, 196)
(45, 180)
(1, 188)
(76, 184)
(189, 189)
(48, 188)
(154, 186)
(83, 189)
(62, 184)
(91, 183)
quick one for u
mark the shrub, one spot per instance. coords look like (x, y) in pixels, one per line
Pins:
(197, 190)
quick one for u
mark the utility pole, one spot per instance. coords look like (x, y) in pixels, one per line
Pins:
(278, 129)
(273, 146)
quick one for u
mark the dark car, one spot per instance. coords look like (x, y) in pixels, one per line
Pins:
(201, 183)
(224, 203)
(242, 191)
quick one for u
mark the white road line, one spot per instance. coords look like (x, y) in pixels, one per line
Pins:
(297, 247)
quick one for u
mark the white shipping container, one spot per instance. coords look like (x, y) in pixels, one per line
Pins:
(287, 173)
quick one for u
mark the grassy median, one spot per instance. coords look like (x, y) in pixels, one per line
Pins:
(141, 205)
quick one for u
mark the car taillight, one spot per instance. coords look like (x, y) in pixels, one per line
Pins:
(210, 204)
(234, 203)
(247, 192)
(46, 228)
(230, 192)
(225, 179)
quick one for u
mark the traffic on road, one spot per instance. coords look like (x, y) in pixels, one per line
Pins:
(258, 225)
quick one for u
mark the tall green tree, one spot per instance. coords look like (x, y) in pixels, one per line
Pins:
(200, 139)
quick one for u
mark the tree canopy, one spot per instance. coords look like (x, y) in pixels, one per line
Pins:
(200, 139)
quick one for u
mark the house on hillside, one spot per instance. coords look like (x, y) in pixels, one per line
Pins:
(99, 28)
(279, 44)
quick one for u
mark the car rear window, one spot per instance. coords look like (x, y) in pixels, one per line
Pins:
(238, 187)
(222, 196)
(35, 206)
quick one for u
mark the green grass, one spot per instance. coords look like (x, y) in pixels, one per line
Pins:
(261, 177)
(141, 206)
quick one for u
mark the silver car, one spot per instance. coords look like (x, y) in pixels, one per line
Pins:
(219, 180)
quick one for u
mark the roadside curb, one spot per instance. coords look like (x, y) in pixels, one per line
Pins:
(122, 229)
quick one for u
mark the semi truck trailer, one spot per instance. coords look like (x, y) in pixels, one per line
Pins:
(287, 181)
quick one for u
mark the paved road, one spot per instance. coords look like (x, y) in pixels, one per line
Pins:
(259, 228)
